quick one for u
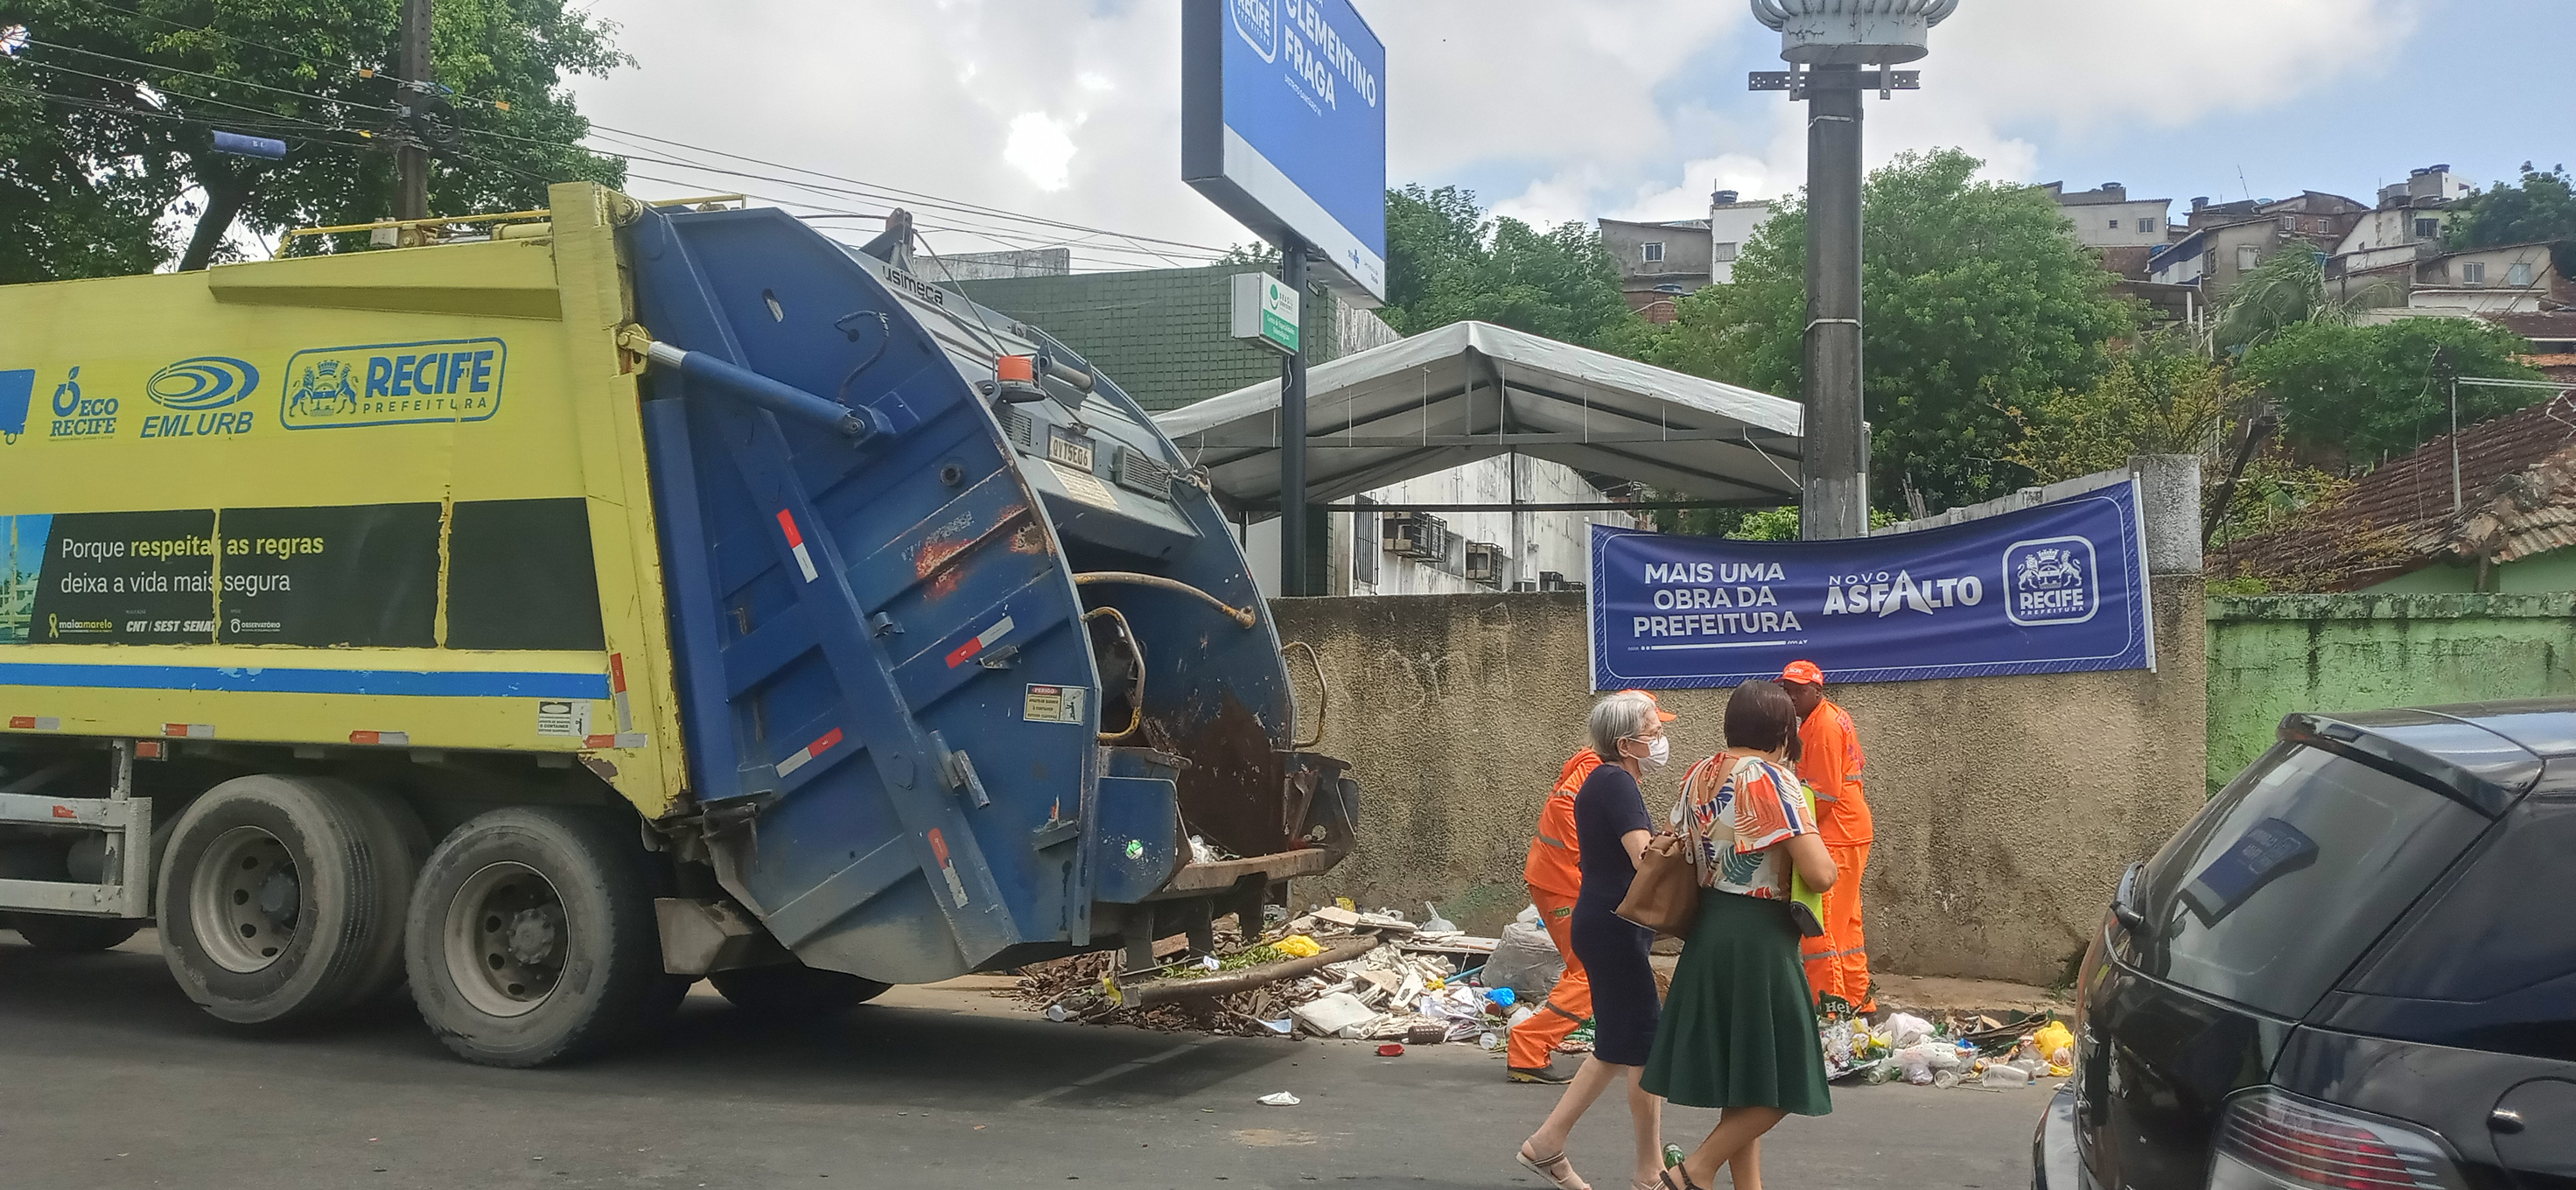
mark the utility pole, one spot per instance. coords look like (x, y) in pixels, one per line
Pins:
(1292, 430)
(1836, 496)
(411, 60)
(1827, 43)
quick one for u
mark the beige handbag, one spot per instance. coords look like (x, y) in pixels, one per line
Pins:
(1665, 895)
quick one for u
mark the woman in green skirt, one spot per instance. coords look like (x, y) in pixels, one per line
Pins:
(1739, 1029)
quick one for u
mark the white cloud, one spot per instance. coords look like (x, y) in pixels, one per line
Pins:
(1041, 148)
(1071, 111)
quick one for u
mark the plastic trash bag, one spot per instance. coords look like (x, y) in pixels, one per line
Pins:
(1525, 960)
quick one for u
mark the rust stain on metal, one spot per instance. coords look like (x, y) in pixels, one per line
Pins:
(1029, 540)
(934, 560)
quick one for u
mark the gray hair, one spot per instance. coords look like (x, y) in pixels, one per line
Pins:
(1617, 717)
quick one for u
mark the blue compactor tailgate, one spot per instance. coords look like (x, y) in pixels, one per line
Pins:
(892, 652)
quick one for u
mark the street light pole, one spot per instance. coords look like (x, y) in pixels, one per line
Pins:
(1833, 40)
(1836, 487)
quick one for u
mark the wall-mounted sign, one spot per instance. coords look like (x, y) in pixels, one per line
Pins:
(1283, 124)
(1265, 311)
(2052, 589)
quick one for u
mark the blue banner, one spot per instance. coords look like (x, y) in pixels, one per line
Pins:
(2056, 588)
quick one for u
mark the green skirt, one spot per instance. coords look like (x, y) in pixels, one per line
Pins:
(1739, 1027)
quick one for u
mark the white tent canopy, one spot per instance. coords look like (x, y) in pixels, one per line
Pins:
(1473, 390)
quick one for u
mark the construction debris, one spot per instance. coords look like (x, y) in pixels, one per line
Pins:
(1333, 972)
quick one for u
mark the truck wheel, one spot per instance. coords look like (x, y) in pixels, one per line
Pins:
(282, 898)
(72, 935)
(793, 990)
(532, 937)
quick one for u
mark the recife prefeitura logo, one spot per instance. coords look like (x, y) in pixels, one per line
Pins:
(2051, 580)
(1257, 22)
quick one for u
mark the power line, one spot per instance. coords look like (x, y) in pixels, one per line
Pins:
(234, 82)
(869, 192)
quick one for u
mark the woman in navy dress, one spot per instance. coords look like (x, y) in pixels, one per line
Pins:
(1611, 828)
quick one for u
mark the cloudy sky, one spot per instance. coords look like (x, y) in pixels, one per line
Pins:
(1574, 109)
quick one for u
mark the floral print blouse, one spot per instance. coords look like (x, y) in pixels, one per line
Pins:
(1741, 808)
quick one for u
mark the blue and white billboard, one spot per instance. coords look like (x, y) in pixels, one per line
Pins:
(2052, 589)
(1283, 124)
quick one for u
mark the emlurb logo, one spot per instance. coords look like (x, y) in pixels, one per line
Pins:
(391, 384)
(1257, 22)
(205, 382)
(196, 389)
(2051, 580)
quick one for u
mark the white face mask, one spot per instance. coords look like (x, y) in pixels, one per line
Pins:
(1658, 751)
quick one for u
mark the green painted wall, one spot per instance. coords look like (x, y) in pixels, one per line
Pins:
(1162, 334)
(2538, 574)
(2270, 655)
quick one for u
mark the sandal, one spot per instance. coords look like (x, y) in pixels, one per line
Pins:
(1557, 1170)
(1677, 1178)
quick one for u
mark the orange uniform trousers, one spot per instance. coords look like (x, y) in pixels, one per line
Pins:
(1838, 962)
(1568, 1005)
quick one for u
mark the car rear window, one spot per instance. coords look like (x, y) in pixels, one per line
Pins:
(2289, 874)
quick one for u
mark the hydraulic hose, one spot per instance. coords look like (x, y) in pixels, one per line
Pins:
(1088, 578)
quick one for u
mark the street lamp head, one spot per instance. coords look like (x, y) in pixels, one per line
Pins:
(1852, 32)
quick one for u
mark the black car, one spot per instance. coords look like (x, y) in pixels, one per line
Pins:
(2356, 968)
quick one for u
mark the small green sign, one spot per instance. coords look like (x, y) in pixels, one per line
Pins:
(1265, 311)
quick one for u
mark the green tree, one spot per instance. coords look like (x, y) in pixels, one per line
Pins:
(2542, 206)
(2159, 397)
(1977, 302)
(2354, 395)
(2288, 290)
(111, 110)
(1447, 261)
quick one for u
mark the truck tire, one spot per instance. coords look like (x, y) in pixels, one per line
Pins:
(794, 991)
(532, 938)
(282, 898)
(72, 935)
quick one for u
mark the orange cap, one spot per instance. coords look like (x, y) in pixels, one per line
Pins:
(1661, 714)
(1803, 672)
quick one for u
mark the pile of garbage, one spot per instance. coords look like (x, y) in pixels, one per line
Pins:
(1949, 1054)
(1420, 983)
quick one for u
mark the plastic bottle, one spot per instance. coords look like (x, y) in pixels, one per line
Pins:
(2007, 1076)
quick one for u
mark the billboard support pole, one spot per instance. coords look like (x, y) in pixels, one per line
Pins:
(1292, 430)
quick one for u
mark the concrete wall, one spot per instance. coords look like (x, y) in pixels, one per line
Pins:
(2270, 655)
(2005, 807)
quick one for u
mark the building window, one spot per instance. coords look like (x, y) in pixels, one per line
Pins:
(2115, 225)
(2147, 223)
(1654, 252)
(2518, 273)
(1722, 252)
(2426, 229)
(2247, 257)
(2473, 272)
(1364, 541)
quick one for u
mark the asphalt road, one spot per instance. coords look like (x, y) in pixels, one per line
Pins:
(110, 1078)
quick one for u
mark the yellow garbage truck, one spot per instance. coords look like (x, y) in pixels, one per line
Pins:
(592, 600)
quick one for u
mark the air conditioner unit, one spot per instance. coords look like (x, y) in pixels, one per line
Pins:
(1430, 538)
(1551, 580)
(1484, 562)
(1397, 531)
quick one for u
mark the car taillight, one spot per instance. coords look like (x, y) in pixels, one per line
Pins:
(2274, 1141)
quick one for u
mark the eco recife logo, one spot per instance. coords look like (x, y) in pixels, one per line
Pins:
(2052, 580)
(387, 384)
(198, 393)
(1257, 23)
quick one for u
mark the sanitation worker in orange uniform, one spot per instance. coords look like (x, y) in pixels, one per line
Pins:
(1555, 876)
(1830, 761)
